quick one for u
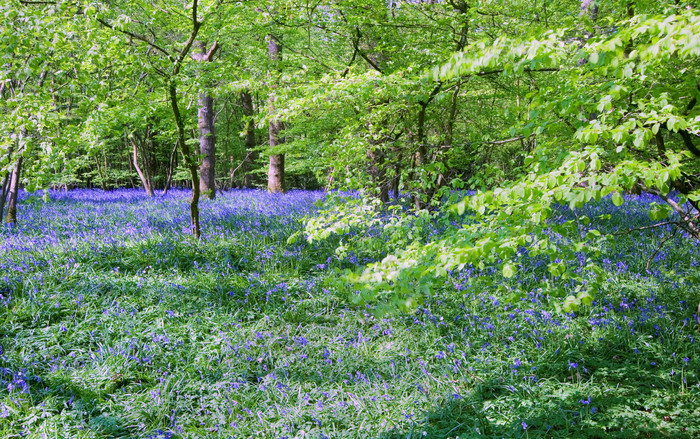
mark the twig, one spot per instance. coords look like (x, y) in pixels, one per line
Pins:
(513, 139)
(245, 159)
(639, 229)
(137, 37)
(658, 250)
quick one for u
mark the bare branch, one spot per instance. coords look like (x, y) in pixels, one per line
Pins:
(639, 229)
(658, 249)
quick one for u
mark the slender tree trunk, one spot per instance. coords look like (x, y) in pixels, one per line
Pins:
(11, 217)
(377, 171)
(250, 154)
(145, 177)
(171, 169)
(99, 172)
(3, 196)
(190, 163)
(275, 173)
(207, 147)
(5, 185)
(207, 137)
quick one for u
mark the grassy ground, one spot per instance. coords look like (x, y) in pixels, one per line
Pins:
(115, 323)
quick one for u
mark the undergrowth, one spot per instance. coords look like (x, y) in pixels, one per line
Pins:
(114, 322)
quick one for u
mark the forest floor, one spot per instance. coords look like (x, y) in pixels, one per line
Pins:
(114, 322)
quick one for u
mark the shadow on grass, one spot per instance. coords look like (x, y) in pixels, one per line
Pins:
(627, 416)
(80, 404)
(633, 410)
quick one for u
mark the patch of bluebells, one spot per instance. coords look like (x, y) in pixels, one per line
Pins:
(292, 373)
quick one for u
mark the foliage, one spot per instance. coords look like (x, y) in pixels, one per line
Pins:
(593, 141)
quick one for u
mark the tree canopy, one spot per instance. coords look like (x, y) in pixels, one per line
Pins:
(539, 107)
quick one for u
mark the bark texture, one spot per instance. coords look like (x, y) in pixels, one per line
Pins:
(5, 186)
(275, 173)
(207, 135)
(144, 174)
(11, 217)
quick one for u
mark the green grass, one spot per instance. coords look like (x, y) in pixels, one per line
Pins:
(150, 334)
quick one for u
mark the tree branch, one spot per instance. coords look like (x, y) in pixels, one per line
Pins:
(347, 69)
(639, 229)
(658, 249)
(136, 37)
(356, 44)
(512, 139)
(688, 221)
(309, 57)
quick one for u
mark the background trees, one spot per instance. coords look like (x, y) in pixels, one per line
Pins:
(536, 104)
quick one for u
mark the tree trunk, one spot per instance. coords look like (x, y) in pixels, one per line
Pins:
(145, 177)
(207, 147)
(99, 172)
(190, 163)
(3, 196)
(376, 170)
(11, 217)
(250, 154)
(207, 137)
(171, 169)
(275, 173)
(5, 185)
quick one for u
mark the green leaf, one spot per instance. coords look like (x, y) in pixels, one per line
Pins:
(293, 239)
(586, 298)
(508, 270)
(571, 304)
(659, 212)
(461, 206)
(592, 234)
(617, 199)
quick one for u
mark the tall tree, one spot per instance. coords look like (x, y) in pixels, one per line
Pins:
(165, 57)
